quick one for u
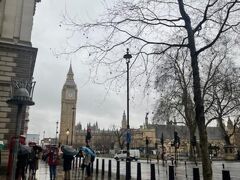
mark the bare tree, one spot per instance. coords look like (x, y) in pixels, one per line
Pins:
(119, 135)
(174, 82)
(225, 103)
(152, 28)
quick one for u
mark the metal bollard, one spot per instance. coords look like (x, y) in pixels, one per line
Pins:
(139, 173)
(153, 177)
(76, 162)
(79, 162)
(171, 173)
(196, 175)
(109, 168)
(128, 169)
(97, 162)
(225, 175)
(118, 170)
(73, 162)
(223, 166)
(103, 166)
(186, 169)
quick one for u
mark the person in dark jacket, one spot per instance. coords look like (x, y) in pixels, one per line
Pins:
(67, 165)
(22, 161)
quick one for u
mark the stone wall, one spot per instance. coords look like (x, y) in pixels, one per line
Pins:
(16, 62)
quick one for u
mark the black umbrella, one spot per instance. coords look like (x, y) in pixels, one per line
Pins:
(37, 148)
(68, 150)
(23, 149)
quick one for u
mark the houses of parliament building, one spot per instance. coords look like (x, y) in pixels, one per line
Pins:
(104, 140)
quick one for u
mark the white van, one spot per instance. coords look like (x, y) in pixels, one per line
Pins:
(122, 154)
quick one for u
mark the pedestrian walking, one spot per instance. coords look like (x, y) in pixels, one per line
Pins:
(53, 161)
(87, 164)
(22, 161)
(67, 165)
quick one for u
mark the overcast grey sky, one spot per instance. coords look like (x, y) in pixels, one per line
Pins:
(50, 74)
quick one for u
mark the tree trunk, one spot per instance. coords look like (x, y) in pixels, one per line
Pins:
(225, 134)
(199, 108)
(200, 120)
(191, 150)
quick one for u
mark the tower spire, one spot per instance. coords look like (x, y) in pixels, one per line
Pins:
(124, 121)
(70, 77)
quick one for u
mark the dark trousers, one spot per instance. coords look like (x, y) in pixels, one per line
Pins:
(88, 169)
(52, 169)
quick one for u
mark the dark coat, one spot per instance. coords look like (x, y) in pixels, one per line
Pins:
(67, 162)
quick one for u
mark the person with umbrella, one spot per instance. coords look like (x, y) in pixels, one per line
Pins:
(89, 156)
(22, 160)
(68, 153)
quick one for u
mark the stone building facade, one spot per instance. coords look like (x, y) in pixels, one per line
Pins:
(17, 60)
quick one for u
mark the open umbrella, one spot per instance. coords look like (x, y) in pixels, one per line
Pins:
(68, 150)
(23, 149)
(37, 148)
(87, 150)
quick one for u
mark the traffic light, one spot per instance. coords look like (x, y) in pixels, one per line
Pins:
(194, 141)
(175, 137)
(162, 140)
(147, 141)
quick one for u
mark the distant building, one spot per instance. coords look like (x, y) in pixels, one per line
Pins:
(124, 121)
(68, 110)
(33, 138)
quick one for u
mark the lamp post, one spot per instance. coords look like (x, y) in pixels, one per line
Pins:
(73, 113)
(21, 96)
(67, 133)
(128, 57)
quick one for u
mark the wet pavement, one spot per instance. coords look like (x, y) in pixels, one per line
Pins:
(76, 174)
(183, 171)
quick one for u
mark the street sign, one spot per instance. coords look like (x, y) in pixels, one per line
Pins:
(128, 136)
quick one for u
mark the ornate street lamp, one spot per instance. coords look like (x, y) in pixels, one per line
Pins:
(67, 133)
(128, 57)
(21, 96)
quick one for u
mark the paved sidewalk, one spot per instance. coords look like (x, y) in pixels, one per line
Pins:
(76, 174)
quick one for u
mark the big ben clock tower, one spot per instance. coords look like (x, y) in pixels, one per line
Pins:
(68, 110)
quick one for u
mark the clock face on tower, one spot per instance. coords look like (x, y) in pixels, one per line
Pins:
(70, 94)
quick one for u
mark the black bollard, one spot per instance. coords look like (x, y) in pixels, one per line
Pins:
(109, 168)
(223, 166)
(153, 177)
(225, 175)
(91, 167)
(196, 175)
(103, 166)
(118, 170)
(73, 162)
(186, 169)
(171, 173)
(139, 173)
(79, 162)
(128, 169)
(97, 161)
